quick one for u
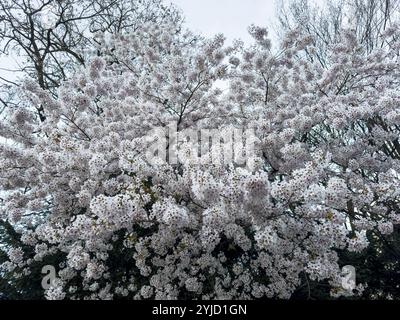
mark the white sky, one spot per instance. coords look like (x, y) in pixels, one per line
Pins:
(230, 17)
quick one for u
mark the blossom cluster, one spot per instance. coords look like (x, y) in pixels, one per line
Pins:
(326, 170)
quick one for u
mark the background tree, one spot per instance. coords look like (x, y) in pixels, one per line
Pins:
(53, 38)
(368, 18)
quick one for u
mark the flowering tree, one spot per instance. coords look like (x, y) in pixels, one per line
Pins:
(117, 223)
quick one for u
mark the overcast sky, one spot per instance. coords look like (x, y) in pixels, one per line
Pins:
(231, 17)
